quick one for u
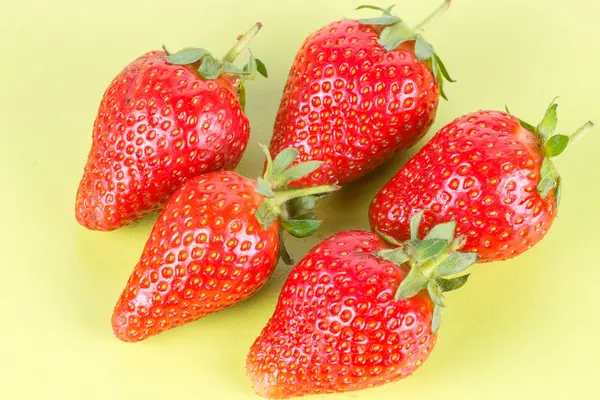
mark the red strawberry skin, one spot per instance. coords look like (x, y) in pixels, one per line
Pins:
(480, 170)
(351, 104)
(157, 126)
(206, 252)
(337, 326)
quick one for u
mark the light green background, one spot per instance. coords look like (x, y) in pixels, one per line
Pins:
(521, 329)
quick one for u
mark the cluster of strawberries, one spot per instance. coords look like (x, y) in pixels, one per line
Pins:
(363, 307)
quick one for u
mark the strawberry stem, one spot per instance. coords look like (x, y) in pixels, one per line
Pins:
(242, 43)
(426, 23)
(283, 197)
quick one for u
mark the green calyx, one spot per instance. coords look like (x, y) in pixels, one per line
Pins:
(293, 207)
(395, 31)
(434, 262)
(552, 145)
(211, 68)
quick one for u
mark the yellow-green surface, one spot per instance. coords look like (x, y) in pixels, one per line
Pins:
(522, 329)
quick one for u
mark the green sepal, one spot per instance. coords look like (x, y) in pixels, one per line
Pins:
(265, 215)
(283, 251)
(555, 145)
(558, 191)
(395, 256)
(394, 35)
(263, 187)
(283, 160)
(436, 319)
(443, 231)
(450, 284)
(412, 284)
(435, 292)
(423, 50)
(547, 127)
(382, 20)
(241, 91)
(524, 124)
(385, 11)
(456, 263)
(415, 222)
(186, 56)
(301, 228)
(210, 68)
(442, 68)
(300, 170)
(261, 68)
(232, 69)
(269, 167)
(388, 238)
(425, 250)
(303, 207)
(548, 178)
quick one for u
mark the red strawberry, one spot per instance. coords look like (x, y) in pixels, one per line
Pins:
(215, 243)
(351, 315)
(358, 92)
(162, 120)
(488, 171)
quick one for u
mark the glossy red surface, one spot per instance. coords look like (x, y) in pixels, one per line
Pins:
(351, 104)
(480, 170)
(206, 252)
(157, 126)
(337, 326)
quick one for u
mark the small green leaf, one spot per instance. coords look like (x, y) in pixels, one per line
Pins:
(394, 35)
(415, 222)
(442, 231)
(263, 187)
(555, 145)
(455, 263)
(451, 284)
(267, 154)
(558, 191)
(548, 178)
(261, 68)
(301, 228)
(428, 249)
(435, 292)
(283, 160)
(412, 284)
(423, 50)
(210, 67)
(187, 56)
(264, 216)
(437, 60)
(382, 20)
(547, 127)
(436, 319)
(303, 206)
(437, 74)
(232, 69)
(395, 256)
(388, 239)
(241, 90)
(368, 7)
(283, 252)
(300, 170)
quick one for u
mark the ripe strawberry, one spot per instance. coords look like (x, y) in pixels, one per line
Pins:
(215, 243)
(358, 92)
(487, 170)
(163, 119)
(351, 315)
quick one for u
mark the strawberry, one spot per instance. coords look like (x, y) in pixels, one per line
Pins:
(358, 92)
(488, 170)
(215, 243)
(164, 119)
(357, 313)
